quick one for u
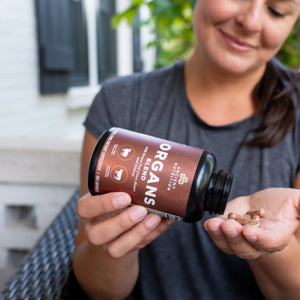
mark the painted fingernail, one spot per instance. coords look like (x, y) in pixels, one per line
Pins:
(153, 221)
(121, 200)
(138, 213)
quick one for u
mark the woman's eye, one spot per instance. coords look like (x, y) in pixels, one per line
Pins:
(276, 13)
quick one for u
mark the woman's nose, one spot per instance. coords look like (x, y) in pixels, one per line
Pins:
(250, 16)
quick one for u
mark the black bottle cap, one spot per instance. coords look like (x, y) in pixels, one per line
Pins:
(218, 191)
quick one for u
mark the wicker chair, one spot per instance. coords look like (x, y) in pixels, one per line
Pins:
(47, 271)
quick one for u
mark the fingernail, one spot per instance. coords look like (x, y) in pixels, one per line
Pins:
(121, 200)
(252, 238)
(170, 222)
(215, 231)
(232, 233)
(153, 221)
(138, 213)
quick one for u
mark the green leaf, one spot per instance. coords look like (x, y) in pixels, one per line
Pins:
(128, 15)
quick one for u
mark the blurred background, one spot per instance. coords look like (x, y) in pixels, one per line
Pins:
(54, 55)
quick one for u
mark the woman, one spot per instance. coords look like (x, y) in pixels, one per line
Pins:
(232, 98)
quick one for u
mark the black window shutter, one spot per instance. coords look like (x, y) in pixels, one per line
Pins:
(55, 50)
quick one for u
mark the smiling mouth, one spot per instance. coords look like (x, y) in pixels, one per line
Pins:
(236, 43)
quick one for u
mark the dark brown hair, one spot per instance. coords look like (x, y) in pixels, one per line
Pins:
(274, 106)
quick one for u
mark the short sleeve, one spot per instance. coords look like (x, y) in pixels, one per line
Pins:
(114, 105)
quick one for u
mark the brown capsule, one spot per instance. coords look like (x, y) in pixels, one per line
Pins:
(244, 221)
(254, 223)
(232, 215)
(239, 218)
(255, 218)
(260, 212)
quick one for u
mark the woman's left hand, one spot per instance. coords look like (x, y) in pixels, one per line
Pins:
(279, 225)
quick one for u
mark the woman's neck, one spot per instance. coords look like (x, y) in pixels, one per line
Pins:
(219, 98)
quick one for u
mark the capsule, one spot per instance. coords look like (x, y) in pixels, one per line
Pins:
(259, 212)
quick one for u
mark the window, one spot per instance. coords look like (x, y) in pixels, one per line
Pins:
(77, 46)
(93, 41)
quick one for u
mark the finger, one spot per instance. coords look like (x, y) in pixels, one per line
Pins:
(111, 228)
(268, 239)
(164, 225)
(91, 206)
(129, 240)
(213, 227)
(239, 245)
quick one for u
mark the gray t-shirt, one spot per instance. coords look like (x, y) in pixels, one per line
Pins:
(184, 263)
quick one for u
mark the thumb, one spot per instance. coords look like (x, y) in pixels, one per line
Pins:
(265, 239)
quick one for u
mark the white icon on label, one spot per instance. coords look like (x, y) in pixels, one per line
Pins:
(183, 179)
(125, 152)
(118, 175)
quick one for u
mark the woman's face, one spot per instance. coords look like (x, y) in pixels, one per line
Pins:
(242, 35)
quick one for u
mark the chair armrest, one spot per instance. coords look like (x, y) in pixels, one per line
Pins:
(48, 265)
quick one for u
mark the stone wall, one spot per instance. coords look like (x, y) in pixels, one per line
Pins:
(36, 180)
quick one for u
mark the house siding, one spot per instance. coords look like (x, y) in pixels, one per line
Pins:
(18, 52)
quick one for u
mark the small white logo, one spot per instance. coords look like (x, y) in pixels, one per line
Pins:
(125, 152)
(183, 179)
(118, 175)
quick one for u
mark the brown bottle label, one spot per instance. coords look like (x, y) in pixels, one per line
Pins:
(157, 173)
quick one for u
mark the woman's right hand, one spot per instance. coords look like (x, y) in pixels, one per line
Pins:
(118, 228)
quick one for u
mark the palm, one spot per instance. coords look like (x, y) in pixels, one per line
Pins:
(279, 223)
(280, 204)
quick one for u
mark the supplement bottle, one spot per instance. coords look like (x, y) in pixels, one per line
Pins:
(170, 179)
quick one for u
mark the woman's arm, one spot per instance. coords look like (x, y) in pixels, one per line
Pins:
(109, 236)
(278, 274)
(273, 251)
